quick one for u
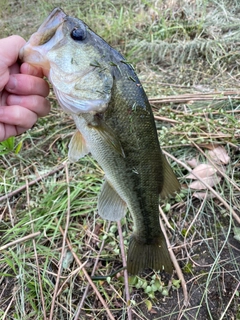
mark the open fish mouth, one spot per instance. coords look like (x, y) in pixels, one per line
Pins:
(114, 120)
(48, 34)
(79, 87)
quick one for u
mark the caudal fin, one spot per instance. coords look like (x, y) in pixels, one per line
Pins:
(142, 256)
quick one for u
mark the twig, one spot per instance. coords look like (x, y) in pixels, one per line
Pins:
(192, 242)
(189, 228)
(165, 218)
(111, 317)
(176, 265)
(63, 246)
(231, 211)
(229, 302)
(166, 119)
(71, 275)
(119, 295)
(182, 114)
(8, 307)
(79, 308)
(36, 257)
(13, 193)
(167, 84)
(225, 95)
(206, 134)
(129, 310)
(23, 239)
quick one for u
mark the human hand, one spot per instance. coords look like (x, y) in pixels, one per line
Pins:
(23, 92)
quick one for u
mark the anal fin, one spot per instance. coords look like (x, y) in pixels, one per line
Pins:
(110, 204)
(170, 182)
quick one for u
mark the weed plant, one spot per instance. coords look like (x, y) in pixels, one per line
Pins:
(178, 47)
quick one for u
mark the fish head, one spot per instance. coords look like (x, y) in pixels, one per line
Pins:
(41, 42)
(75, 61)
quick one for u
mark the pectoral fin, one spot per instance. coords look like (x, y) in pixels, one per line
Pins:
(171, 183)
(110, 204)
(77, 147)
(107, 135)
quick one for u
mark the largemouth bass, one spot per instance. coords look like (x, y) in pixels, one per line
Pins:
(99, 88)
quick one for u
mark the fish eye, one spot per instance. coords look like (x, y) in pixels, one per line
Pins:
(78, 34)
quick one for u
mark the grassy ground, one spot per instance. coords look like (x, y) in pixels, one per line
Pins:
(187, 51)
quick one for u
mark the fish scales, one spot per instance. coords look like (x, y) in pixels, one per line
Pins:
(141, 147)
(143, 156)
(99, 88)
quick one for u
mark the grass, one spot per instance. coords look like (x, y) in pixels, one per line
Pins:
(177, 48)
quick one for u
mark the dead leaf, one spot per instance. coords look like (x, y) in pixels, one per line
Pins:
(236, 231)
(149, 305)
(202, 195)
(192, 162)
(203, 170)
(208, 146)
(219, 155)
(211, 181)
(67, 260)
(153, 311)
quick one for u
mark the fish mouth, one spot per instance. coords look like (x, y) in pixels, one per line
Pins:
(48, 34)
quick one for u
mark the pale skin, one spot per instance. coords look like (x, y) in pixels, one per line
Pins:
(23, 92)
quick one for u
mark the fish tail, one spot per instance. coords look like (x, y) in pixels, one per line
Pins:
(142, 256)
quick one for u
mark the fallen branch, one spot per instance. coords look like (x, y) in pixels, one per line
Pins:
(175, 263)
(190, 97)
(230, 301)
(105, 306)
(51, 316)
(79, 307)
(36, 258)
(206, 134)
(166, 119)
(13, 193)
(23, 239)
(129, 311)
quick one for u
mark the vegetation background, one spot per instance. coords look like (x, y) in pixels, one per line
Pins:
(187, 56)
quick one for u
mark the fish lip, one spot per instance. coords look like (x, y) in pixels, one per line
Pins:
(54, 20)
(50, 25)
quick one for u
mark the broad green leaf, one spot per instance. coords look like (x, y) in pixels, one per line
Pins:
(18, 147)
(149, 305)
(236, 231)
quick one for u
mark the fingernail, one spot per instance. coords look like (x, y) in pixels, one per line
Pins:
(12, 83)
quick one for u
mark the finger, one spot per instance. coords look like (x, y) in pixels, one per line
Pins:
(15, 68)
(34, 103)
(17, 116)
(9, 49)
(26, 68)
(7, 130)
(3, 98)
(27, 84)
